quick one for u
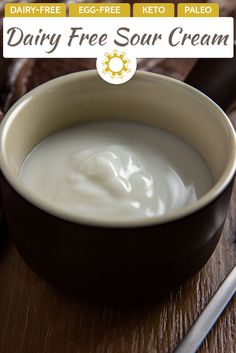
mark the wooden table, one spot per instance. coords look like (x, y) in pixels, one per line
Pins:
(35, 318)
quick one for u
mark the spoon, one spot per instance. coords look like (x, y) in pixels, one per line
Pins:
(201, 327)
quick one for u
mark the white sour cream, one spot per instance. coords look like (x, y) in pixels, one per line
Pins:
(116, 170)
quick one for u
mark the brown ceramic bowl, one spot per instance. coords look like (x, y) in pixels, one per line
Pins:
(135, 259)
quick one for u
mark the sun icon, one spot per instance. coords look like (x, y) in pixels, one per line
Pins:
(116, 67)
(116, 64)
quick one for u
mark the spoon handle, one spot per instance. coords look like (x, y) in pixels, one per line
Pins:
(209, 316)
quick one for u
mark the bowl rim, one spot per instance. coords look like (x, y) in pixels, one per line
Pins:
(48, 207)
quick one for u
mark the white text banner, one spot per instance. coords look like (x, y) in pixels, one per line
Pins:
(141, 37)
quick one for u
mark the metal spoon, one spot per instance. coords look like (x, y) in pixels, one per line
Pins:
(201, 327)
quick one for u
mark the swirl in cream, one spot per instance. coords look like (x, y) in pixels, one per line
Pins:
(116, 170)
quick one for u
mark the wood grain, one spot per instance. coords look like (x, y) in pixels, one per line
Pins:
(35, 318)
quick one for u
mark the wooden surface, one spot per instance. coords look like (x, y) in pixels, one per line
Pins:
(35, 318)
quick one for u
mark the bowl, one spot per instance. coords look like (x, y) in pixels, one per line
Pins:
(135, 259)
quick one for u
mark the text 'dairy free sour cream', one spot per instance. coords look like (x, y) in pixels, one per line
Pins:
(116, 170)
